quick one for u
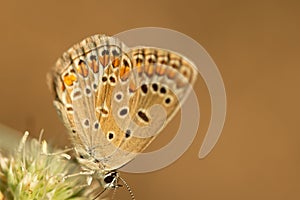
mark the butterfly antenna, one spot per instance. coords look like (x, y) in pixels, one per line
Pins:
(128, 188)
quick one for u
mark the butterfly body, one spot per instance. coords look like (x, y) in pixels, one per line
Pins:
(114, 100)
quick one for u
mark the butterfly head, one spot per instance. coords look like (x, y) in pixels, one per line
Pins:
(110, 179)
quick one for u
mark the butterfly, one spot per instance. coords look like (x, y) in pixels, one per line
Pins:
(115, 100)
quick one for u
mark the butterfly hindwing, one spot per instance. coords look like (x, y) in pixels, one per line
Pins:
(158, 82)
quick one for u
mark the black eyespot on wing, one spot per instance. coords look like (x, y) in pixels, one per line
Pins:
(95, 86)
(112, 79)
(124, 111)
(167, 100)
(102, 110)
(110, 136)
(155, 87)
(81, 62)
(152, 60)
(104, 79)
(87, 122)
(93, 57)
(143, 116)
(119, 96)
(88, 91)
(125, 63)
(139, 60)
(144, 88)
(115, 53)
(163, 90)
(105, 52)
(127, 133)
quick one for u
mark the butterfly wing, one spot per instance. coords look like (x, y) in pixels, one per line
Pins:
(114, 100)
(81, 82)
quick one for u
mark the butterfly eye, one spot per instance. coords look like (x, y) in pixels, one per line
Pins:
(109, 179)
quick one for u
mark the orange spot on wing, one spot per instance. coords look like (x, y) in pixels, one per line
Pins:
(116, 62)
(124, 72)
(82, 70)
(132, 86)
(69, 80)
(171, 73)
(94, 66)
(149, 69)
(160, 70)
(104, 60)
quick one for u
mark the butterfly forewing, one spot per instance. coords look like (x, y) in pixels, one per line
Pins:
(82, 82)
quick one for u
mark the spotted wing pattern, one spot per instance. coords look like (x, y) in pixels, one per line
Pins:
(114, 100)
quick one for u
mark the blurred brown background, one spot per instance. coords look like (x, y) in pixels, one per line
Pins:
(256, 47)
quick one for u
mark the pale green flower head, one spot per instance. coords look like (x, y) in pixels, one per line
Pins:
(34, 172)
